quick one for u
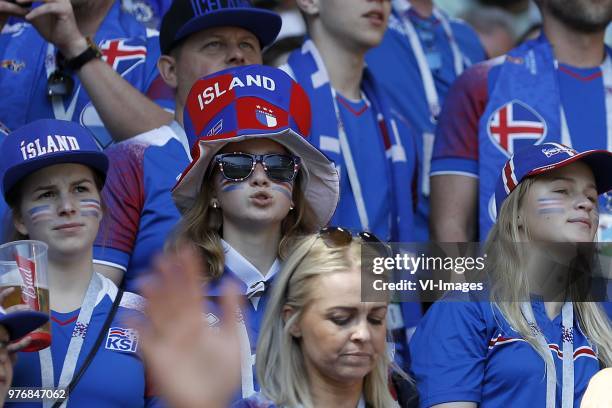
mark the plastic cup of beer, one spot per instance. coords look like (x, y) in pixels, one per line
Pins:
(23, 267)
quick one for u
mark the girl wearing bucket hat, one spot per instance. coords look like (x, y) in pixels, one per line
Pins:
(255, 184)
(53, 172)
(541, 335)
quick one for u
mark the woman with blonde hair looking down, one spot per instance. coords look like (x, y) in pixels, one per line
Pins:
(320, 345)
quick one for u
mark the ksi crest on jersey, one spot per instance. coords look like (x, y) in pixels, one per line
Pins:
(514, 125)
(120, 339)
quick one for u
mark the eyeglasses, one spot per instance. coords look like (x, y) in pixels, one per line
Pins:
(240, 166)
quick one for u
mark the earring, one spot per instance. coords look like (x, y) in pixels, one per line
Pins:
(214, 204)
(291, 208)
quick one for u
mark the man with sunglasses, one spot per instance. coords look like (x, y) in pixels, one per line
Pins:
(78, 60)
(197, 39)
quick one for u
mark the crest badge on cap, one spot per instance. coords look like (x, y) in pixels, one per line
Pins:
(249, 102)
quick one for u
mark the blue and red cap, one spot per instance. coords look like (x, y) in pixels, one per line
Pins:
(46, 142)
(185, 17)
(538, 159)
(247, 102)
(19, 323)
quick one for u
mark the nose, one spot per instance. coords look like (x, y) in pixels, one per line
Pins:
(67, 204)
(259, 176)
(361, 331)
(235, 56)
(583, 203)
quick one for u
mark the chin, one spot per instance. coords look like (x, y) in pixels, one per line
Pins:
(350, 374)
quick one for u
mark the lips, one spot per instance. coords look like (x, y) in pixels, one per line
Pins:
(375, 17)
(358, 354)
(581, 220)
(261, 198)
(68, 226)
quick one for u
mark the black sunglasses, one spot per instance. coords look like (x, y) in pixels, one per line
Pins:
(240, 166)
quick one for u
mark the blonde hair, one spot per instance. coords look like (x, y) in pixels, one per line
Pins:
(201, 224)
(280, 362)
(506, 266)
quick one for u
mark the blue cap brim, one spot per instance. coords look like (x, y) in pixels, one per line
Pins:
(264, 24)
(600, 162)
(20, 323)
(96, 160)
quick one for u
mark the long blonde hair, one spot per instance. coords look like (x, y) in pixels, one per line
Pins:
(506, 266)
(280, 362)
(201, 224)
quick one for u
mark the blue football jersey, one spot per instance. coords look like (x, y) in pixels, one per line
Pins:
(359, 121)
(476, 135)
(148, 12)
(141, 213)
(467, 351)
(116, 375)
(28, 60)
(256, 288)
(397, 70)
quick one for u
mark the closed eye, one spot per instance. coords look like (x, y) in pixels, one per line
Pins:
(340, 321)
(46, 194)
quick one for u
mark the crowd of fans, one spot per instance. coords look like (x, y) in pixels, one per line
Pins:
(228, 164)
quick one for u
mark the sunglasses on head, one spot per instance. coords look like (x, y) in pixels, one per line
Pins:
(338, 237)
(335, 237)
(240, 166)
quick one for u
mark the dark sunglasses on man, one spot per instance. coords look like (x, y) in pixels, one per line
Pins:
(239, 166)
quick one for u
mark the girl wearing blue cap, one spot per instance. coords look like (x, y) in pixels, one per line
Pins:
(53, 172)
(540, 338)
(254, 185)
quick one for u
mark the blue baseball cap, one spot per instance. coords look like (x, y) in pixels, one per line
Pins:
(185, 17)
(46, 142)
(247, 102)
(538, 159)
(20, 323)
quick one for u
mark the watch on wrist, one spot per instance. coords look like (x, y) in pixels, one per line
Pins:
(91, 52)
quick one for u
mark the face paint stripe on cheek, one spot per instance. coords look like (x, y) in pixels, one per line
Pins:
(231, 187)
(40, 213)
(90, 208)
(282, 189)
(550, 205)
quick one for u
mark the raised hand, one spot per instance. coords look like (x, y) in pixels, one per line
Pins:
(192, 364)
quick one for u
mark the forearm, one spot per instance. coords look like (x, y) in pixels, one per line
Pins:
(454, 208)
(124, 110)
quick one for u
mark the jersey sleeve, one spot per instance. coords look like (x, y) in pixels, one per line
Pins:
(448, 352)
(456, 143)
(123, 197)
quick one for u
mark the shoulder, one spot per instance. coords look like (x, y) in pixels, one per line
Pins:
(257, 400)
(477, 75)
(135, 147)
(129, 300)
